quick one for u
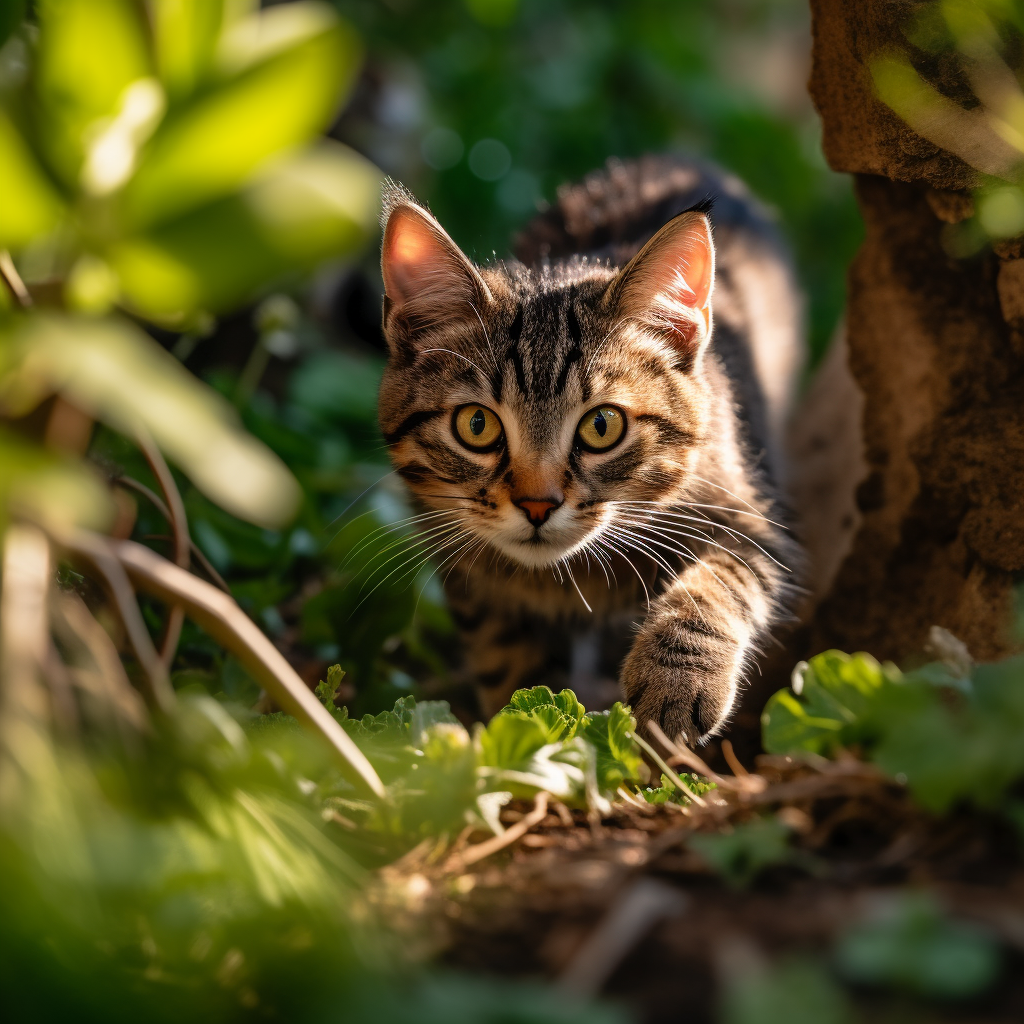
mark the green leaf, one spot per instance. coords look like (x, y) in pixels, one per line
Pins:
(185, 36)
(511, 739)
(908, 942)
(31, 207)
(739, 856)
(317, 205)
(118, 374)
(835, 707)
(285, 71)
(558, 714)
(90, 52)
(794, 992)
(618, 756)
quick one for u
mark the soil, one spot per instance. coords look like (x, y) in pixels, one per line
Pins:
(624, 907)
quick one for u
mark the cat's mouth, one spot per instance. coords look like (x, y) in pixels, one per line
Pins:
(545, 546)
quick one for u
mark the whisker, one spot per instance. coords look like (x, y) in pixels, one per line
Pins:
(418, 559)
(426, 540)
(458, 355)
(487, 337)
(704, 540)
(711, 483)
(739, 535)
(688, 555)
(358, 498)
(572, 580)
(607, 543)
(381, 532)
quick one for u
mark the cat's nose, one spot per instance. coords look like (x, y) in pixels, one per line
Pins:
(538, 509)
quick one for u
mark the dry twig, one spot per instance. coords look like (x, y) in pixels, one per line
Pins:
(645, 903)
(220, 616)
(182, 541)
(130, 483)
(507, 838)
(11, 277)
(98, 551)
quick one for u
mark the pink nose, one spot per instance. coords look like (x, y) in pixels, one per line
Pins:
(537, 509)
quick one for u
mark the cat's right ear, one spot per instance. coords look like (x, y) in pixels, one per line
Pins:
(667, 286)
(428, 280)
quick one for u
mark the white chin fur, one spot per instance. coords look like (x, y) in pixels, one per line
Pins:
(540, 555)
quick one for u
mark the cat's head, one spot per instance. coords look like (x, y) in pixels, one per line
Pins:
(525, 404)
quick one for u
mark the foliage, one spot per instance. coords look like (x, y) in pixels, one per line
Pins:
(948, 738)
(908, 942)
(981, 40)
(740, 855)
(208, 872)
(668, 791)
(797, 991)
(162, 160)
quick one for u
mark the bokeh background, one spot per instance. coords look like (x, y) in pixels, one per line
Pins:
(484, 107)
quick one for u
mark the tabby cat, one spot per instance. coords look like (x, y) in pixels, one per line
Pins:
(596, 455)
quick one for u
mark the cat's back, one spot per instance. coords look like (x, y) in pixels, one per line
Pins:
(758, 308)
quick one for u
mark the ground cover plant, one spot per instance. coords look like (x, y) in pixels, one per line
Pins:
(229, 786)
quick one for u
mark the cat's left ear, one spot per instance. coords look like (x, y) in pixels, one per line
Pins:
(667, 286)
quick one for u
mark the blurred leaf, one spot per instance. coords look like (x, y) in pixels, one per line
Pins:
(311, 207)
(55, 491)
(338, 386)
(739, 856)
(90, 51)
(31, 206)
(907, 942)
(795, 992)
(11, 13)
(184, 40)
(302, 61)
(114, 371)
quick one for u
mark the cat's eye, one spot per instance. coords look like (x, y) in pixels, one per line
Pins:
(602, 428)
(476, 427)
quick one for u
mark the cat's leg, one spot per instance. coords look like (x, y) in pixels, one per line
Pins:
(686, 663)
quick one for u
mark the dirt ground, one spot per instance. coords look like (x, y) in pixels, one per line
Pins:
(624, 908)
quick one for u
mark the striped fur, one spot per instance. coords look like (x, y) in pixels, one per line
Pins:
(663, 553)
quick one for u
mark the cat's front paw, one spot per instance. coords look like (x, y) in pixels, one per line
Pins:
(688, 690)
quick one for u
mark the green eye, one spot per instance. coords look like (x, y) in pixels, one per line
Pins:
(602, 428)
(476, 426)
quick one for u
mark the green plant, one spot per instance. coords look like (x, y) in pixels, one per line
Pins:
(948, 738)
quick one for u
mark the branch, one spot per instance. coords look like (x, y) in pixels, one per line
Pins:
(182, 540)
(98, 552)
(130, 483)
(11, 277)
(220, 616)
(507, 838)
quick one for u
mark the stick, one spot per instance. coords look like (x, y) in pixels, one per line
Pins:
(182, 540)
(98, 552)
(11, 277)
(646, 902)
(221, 617)
(132, 484)
(507, 838)
(660, 762)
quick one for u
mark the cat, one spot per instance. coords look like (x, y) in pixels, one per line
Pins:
(596, 454)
